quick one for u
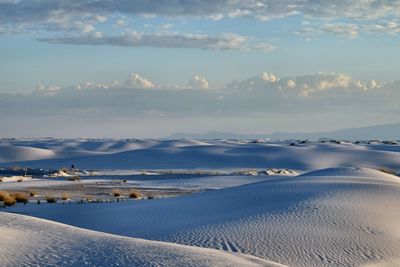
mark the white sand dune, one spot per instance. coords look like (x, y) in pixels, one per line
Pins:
(350, 219)
(27, 241)
(23, 153)
(352, 172)
(189, 154)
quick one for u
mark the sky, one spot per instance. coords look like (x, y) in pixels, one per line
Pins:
(148, 69)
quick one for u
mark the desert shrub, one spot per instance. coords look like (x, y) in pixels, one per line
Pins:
(7, 198)
(9, 201)
(116, 193)
(21, 197)
(135, 194)
(74, 178)
(65, 196)
(4, 194)
(51, 199)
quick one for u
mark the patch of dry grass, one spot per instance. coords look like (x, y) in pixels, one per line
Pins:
(21, 197)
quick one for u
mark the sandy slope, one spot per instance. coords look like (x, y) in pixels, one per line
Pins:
(345, 217)
(27, 241)
(185, 154)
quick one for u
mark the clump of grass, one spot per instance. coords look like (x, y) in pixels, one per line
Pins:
(21, 197)
(65, 196)
(135, 194)
(50, 199)
(7, 198)
(116, 193)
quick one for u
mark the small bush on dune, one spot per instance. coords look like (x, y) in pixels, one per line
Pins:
(116, 193)
(135, 194)
(65, 196)
(21, 197)
(51, 199)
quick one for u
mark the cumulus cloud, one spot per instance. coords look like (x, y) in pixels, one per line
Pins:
(135, 81)
(306, 85)
(226, 41)
(198, 82)
(262, 94)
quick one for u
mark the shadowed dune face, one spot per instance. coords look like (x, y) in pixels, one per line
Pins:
(347, 219)
(186, 154)
(30, 241)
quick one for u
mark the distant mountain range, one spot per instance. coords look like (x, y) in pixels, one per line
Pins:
(384, 131)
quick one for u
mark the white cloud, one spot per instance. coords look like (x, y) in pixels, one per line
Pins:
(261, 81)
(352, 30)
(305, 86)
(93, 85)
(226, 41)
(136, 81)
(263, 94)
(346, 30)
(198, 82)
(167, 26)
(120, 23)
(266, 9)
(84, 15)
(47, 90)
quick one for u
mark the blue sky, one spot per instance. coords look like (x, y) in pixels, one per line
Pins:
(53, 50)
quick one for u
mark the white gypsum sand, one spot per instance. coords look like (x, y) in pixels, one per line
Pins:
(28, 241)
(334, 217)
